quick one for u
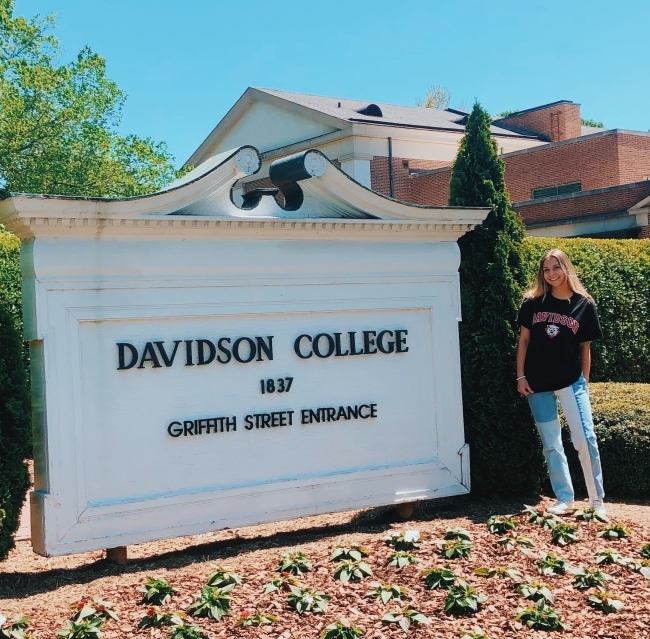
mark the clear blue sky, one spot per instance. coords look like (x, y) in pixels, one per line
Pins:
(183, 64)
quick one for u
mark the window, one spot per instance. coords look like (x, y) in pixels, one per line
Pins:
(562, 189)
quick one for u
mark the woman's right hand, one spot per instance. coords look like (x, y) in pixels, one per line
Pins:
(523, 387)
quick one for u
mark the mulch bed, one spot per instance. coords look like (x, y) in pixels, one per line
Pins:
(44, 589)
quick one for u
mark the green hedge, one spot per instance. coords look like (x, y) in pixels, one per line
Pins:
(617, 274)
(622, 422)
(14, 430)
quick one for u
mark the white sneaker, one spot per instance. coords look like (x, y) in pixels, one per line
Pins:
(599, 509)
(561, 507)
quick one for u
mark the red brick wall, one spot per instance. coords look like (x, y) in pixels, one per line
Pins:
(432, 189)
(596, 162)
(558, 122)
(579, 205)
(592, 161)
(634, 157)
(379, 177)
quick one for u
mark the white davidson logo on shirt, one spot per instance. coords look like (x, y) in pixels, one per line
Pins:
(564, 320)
(552, 330)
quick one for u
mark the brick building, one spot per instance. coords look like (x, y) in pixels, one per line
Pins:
(565, 179)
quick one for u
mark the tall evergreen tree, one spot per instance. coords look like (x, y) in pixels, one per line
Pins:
(504, 446)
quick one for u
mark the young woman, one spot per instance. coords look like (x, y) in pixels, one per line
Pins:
(558, 321)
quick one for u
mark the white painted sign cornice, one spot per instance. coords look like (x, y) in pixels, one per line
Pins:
(329, 204)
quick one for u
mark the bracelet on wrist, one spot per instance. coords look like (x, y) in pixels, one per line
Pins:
(522, 377)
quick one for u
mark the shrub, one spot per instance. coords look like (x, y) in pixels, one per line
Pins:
(622, 424)
(439, 578)
(540, 617)
(616, 273)
(352, 571)
(563, 534)
(294, 563)
(10, 279)
(212, 602)
(408, 540)
(463, 599)
(405, 617)
(157, 591)
(15, 426)
(341, 630)
(307, 600)
(386, 592)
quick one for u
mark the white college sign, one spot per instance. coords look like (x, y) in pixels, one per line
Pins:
(200, 365)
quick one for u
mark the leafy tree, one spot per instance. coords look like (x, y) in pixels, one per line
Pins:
(58, 122)
(505, 449)
(436, 98)
(595, 123)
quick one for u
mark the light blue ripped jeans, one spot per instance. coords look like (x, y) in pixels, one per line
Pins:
(577, 410)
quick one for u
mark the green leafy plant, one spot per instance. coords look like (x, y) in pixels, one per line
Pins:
(540, 617)
(606, 557)
(186, 631)
(352, 571)
(614, 531)
(353, 552)
(456, 548)
(536, 591)
(401, 558)
(294, 563)
(341, 630)
(405, 617)
(93, 609)
(644, 551)
(15, 629)
(564, 534)
(475, 633)
(605, 601)
(222, 577)
(157, 619)
(407, 540)
(212, 602)
(588, 577)
(512, 540)
(589, 514)
(280, 583)
(157, 591)
(386, 592)
(255, 619)
(87, 628)
(642, 567)
(501, 524)
(550, 564)
(441, 578)
(463, 599)
(306, 600)
(458, 533)
(540, 516)
(502, 571)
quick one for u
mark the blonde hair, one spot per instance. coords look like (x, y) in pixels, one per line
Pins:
(542, 287)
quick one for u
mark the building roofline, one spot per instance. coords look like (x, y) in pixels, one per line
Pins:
(579, 194)
(576, 140)
(537, 108)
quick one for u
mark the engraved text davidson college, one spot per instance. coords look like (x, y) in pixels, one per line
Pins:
(201, 352)
(244, 350)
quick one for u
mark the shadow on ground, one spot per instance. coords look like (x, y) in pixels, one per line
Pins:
(375, 520)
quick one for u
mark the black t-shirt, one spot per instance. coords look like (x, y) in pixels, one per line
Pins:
(557, 328)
